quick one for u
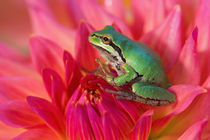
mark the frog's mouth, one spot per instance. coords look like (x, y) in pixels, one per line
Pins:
(100, 49)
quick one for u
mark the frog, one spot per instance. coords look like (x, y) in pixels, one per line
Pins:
(136, 64)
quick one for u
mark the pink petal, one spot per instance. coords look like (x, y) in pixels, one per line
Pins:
(45, 25)
(142, 128)
(11, 68)
(55, 87)
(203, 24)
(84, 51)
(118, 115)
(46, 54)
(18, 114)
(166, 39)
(7, 132)
(155, 10)
(78, 124)
(185, 95)
(133, 109)
(72, 72)
(12, 54)
(13, 88)
(105, 18)
(49, 113)
(95, 121)
(111, 130)
(37, 134)
(195, 131)
(74, 12)
(187, 68)
(115, 7)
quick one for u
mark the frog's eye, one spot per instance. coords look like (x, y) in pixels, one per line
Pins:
(106, 39)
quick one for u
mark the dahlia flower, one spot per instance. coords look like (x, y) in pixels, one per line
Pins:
(51, 92)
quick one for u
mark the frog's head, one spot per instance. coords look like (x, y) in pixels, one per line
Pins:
(105, 42)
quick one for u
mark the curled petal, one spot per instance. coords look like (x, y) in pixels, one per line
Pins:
(185, 95)
(187, 68)
(203, 24)
(46, 54)
(72, 73)
(33, 134)
(49, 113)
(19, 114)
(44, 24)
(142, 128)
(55, 87)
(169, 48)
(84, 51)
(78, 124)
(195, 131)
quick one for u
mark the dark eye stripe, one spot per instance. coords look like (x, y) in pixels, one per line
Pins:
(116, 48)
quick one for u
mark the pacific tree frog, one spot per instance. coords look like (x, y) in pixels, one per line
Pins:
(135, 64)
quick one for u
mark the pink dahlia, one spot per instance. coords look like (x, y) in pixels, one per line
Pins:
(50, 93)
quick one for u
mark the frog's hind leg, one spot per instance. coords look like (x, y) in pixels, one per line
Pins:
(152, 95)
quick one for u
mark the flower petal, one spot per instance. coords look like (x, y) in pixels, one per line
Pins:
(72, 73)
(12, 68)
(185, 95)
(18, 114)
(45, 25)
(187, 68)
(105, 18)
(195, 131)
(74, 12)
(55, 88)
(203, 24)
(14, 88)
(142, 128)
(111, 130)
(78, 124)
(49, 113)
(12, 54)
(95, 121)
(117, 115)
(34, 134)
(115, 7)
(46, 54)
(169, 48)
(84, 51)
(155, 10)
(7, 132)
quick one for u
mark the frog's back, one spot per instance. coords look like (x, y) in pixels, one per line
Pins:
(146, 62)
